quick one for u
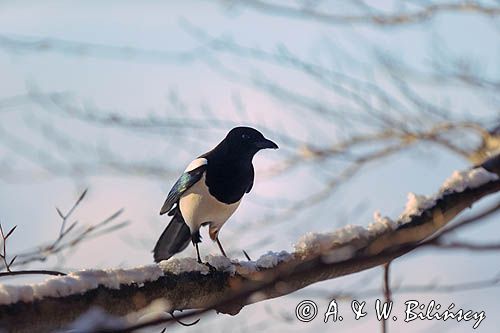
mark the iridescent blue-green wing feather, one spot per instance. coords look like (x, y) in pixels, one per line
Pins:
(185, 181)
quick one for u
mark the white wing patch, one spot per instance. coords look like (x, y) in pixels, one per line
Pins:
(196, 163)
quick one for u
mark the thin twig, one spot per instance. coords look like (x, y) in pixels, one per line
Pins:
(68, 214)
(466, 246)
(368, 17)
(437, 240)
(246, 255)
(70, 238)
(8, 265)
(32, 272)
(387, 294)
(182, 323)
(3, 255)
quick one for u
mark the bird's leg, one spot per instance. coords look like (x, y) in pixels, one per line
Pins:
(198, 253)
(220, 247)
(196, 238)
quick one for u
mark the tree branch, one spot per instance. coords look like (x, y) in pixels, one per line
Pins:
(229, 289)
(403, 17)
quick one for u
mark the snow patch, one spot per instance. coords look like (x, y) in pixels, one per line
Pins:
(415, 205)
(182, 265)
(269, 260)
(458, 182)
(381, 224)
(78, 282)
(343, 243)
(272, 259)
(315, 243)
(221, 263)
(461, 180)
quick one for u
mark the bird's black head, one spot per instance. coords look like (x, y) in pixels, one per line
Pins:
(246, 141)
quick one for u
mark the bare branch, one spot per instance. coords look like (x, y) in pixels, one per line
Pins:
(403, 17)
(8, 265)
(425, 288)
(71, 236)
(387, 294)
(32, 272)
(3, 255)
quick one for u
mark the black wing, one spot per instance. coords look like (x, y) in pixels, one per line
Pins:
(185, 181)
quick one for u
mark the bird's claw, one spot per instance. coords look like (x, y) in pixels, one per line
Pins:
(210, 267)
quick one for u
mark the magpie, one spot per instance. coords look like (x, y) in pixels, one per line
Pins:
(209, 191)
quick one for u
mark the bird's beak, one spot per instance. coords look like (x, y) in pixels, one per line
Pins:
(266, 144)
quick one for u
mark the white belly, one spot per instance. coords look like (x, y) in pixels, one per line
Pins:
(198, 206)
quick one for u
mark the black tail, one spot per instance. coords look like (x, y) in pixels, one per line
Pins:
(174, 239)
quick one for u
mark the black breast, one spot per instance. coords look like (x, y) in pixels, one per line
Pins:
(228, 181)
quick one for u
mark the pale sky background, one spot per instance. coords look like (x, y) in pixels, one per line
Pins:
(138, 87)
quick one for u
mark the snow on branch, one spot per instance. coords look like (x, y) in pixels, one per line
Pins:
(228, 285)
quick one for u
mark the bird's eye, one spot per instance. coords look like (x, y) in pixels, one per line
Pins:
(245, 136)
